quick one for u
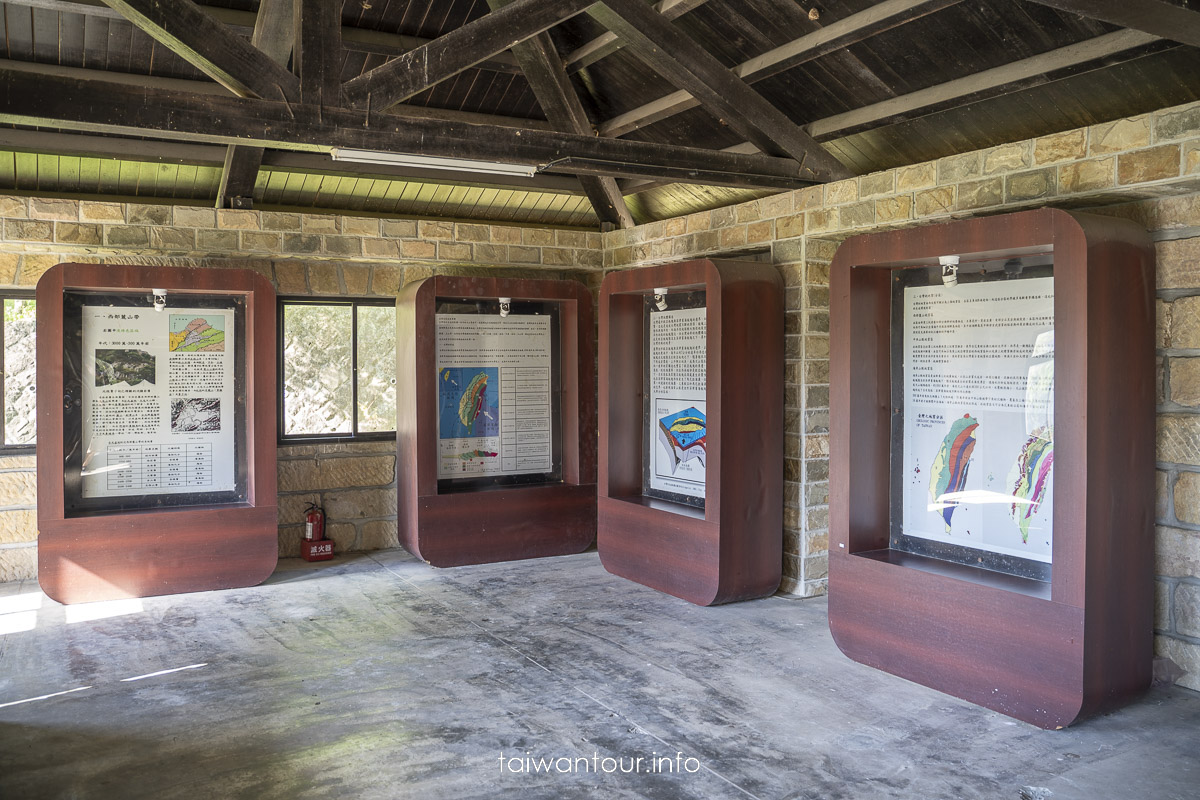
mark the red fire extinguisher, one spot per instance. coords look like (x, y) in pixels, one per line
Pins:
(314, 522)
(315, 546)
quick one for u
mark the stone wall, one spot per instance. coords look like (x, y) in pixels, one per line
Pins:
(302, 254)
(1146, 168)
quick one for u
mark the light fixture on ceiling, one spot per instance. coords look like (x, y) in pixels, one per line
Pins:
(949, 270)
(431, 162)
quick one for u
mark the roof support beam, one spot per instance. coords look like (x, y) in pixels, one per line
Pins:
(189, 32)
(673, 54)
(317, 55)
(551, 85)
(835, 36)
(273, 36)
(460, 49)
(607, 43)
(1158, 17)
(116, 108)
(206, 155)
(1023, 74)
(360, 40)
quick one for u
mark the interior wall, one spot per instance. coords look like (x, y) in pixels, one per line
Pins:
(310, 255)
(1146, 168)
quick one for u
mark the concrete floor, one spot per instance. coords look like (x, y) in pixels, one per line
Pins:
(380, 677)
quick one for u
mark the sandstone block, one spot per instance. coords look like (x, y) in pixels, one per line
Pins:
(18, 526)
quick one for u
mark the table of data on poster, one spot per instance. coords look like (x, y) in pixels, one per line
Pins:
(154, 466)
(525, 418)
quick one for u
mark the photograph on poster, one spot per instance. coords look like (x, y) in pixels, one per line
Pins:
(676, 424)
(978, 422)
(158, 401)
(494, 395)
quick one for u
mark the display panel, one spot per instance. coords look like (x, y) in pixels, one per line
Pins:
(498, 394)
(973, 444)
(675, 418)
(154, 401)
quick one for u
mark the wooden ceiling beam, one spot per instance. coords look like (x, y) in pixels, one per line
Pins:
(1157, 17)
(359, 40)
(274, 35)
(80, 145)
(830, 39)
(195, 36)
(677, 57)
(544, 70)
(460, 49)
(607, 43)
(31, 99)
(317, 54)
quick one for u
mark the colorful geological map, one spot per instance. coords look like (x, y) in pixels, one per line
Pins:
(949, 470)
(1030, 478)
(468, 403)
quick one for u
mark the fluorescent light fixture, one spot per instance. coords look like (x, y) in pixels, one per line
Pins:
(431, 162)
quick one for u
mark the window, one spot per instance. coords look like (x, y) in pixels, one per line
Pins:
(18, 401)
(337, 372)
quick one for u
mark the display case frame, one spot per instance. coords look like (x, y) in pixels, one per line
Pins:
(501, 523)
(732, 549)
(99, 554)
(1050, 652)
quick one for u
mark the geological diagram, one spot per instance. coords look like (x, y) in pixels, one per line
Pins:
(683, 436)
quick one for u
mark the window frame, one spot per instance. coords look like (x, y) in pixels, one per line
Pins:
(12, 449)
(316, 438)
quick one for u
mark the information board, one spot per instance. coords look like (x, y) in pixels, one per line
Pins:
(494, 379)
(978, 416)
(676, 435)
(158, 401)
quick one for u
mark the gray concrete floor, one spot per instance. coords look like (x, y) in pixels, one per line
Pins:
(380, 677)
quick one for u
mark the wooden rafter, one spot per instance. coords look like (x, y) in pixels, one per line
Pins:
(830, 39)
(356, 39)
(116, 108)
(208, 155)
(273, 36)
(192, 34)
(551, 85)
(317, 57)
(678, 58)
(607, 43)
(460, 49)
(1157, 17)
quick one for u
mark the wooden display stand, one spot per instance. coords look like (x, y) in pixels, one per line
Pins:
(499, 523)
(87, 552)
(1046, 652)
(732, 549)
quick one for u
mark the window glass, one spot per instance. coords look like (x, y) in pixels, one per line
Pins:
(20, 378)
(376, 368)
(318, 393)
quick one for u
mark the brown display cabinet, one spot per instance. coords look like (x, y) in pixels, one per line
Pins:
(691, 429)
(1027, 591)
(496, 436)
(156, 431)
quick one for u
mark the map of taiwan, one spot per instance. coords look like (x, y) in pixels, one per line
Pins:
(1030, 478)
(949, 471)
(196, 334)
(468, 404)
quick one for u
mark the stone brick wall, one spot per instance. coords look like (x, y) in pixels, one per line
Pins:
(1146, 168)
(302, 254)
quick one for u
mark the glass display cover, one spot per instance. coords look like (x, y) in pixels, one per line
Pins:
(675, 385)
(973, 411)
(154, 401)
(499, 394)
